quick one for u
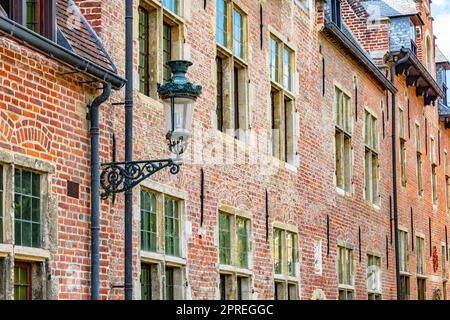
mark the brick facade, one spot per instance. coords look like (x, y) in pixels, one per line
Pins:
(44, 119)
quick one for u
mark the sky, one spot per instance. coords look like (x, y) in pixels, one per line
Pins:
(440, 10)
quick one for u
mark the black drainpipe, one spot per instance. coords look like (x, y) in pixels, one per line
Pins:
(95, 191)
(394, 172)
(129, 148)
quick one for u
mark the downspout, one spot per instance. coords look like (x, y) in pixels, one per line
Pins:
(129, 148)
(394, 170)
(95, 191)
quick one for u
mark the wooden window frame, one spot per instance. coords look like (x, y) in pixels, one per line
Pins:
(29, 285)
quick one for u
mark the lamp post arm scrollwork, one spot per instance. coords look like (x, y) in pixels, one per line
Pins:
(117, 177)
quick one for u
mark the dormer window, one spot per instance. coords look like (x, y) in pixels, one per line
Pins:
(37, 15)
(413, 36)
(336, 12)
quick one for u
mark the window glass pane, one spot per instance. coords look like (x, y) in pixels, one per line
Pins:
(31, 14)
(291, 252)
(219, 106)
(401, 127)
(225, 238)
(172, 227)
(172, 5)
(242, 237)
(347, 114)
(339, 120)
(374, 133)
(367, 125)
(170, 285)
(167, 50)
(146, 290)
(144, 51)
(27, 209)
(418, 138)
(287, 69)
(221, 22)
(22, 285)
(274, 60)
(238, 34)
(148, 221)
(278, 253)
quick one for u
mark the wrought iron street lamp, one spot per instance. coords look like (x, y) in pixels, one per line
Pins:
(179, 96)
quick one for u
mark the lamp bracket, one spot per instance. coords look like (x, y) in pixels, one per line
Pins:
(117, 177)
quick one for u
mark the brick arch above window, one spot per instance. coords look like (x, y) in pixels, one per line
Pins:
(6, 126)
(30, 131)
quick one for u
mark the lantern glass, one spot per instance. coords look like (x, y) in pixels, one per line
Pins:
(183, 111)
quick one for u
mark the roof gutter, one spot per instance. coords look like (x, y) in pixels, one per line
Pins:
(59, 53)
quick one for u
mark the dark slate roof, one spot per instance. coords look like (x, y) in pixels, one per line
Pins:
(75, 34)
(440, 57)
(390, 8)
(444, 111)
